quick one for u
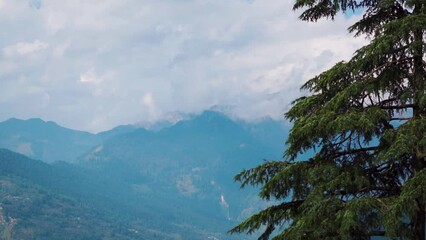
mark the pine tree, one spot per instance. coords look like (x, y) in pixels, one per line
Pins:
(365, 119)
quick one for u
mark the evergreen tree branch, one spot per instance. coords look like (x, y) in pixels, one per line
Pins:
(354, 151)
(405, 106)
(401, 119)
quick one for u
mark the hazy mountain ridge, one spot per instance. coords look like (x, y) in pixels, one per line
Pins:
(176, 181)
(47, 141)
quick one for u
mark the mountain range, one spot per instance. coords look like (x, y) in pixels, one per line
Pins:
(172, 183)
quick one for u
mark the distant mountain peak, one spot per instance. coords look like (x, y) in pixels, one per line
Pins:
(213, 114)
(30, 122)
(45, 140)
(165, 121)
(18, 120)
(36, 120)
(208, 117)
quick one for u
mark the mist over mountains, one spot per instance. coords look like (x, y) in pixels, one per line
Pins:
(172, 183)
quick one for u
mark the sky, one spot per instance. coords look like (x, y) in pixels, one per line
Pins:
(95, 64)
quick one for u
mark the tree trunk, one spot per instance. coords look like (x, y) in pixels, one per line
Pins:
(418, 113)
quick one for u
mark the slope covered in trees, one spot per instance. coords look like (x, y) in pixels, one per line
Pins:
(62, 201)
(366, 119)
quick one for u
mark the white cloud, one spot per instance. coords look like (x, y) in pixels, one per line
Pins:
(114, 62)
(147, 100)
(90, 76)
(25, 48)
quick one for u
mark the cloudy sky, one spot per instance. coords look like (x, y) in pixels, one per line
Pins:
(95, 64)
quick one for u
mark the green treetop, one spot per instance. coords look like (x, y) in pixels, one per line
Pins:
(366, 120)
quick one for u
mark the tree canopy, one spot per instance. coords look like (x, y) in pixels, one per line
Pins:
(365, 119)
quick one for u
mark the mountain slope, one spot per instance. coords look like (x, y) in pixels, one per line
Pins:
(42, 201)
(36, 202)
(192, 162)
(173, 183)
